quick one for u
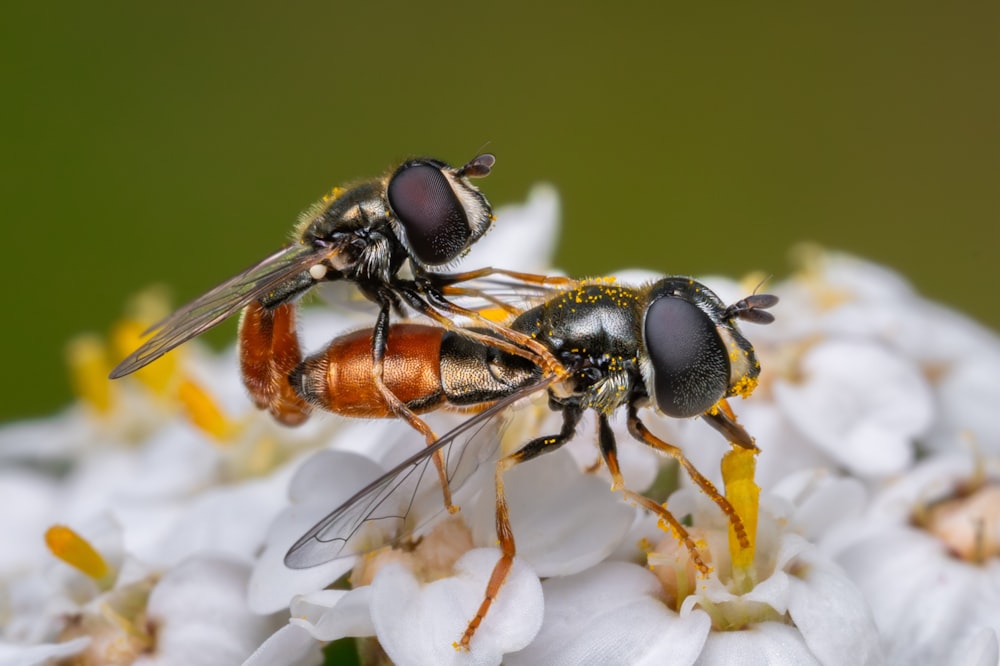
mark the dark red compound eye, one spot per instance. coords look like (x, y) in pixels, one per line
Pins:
(435, 222)
(690, 363)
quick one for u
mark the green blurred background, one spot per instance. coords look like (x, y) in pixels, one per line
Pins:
(176, 142)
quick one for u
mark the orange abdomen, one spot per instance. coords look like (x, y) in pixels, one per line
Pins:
(339, 379)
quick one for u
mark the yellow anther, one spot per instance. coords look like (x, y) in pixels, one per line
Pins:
(738, 467)
(145, 309)
(498, 315)
(126, 336)
(75, 551)
(203, 411)
(89, 366)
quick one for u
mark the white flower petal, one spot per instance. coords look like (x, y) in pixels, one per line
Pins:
(322, 482)
(524, 235)
(291, 645)
(967, 401)
(982, 649)
(822, 501)
(612, 614)
(761, 644)
(23, 530)
(860, 403)
(927, 605)
(200, 615)
(30, 655)
(783, 450)
(563, 521)
(419, 624)
(825, 606)
(329, 615)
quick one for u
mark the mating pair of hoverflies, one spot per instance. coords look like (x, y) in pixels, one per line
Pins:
(592, 345)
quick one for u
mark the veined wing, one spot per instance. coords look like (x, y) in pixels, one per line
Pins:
(388, 505)
(222, 302)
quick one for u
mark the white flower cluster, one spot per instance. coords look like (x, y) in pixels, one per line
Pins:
(148, 523)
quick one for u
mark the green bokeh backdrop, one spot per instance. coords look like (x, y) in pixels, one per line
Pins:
(175, 142)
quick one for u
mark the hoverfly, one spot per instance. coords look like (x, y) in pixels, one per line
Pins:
(672, 345)
(424, 212)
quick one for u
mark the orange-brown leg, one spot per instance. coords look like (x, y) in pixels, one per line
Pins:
(380, 341)
(269, 351)
(494, 301)
(724, 420)
(507, 551)
(448, 279)
(510, 341)
(638, 430)
(609, 452)
(536, 447)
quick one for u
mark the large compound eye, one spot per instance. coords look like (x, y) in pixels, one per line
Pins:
(436, 225)
(689, 359)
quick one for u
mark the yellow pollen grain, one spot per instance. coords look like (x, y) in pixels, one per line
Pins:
(334, 194)
(203, 411)
(75, 551)
(87, 359)
(744, 387)
(738, 467)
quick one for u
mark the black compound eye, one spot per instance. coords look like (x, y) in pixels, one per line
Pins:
(437, 228)
(690, 363)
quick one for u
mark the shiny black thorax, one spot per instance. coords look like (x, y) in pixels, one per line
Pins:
(595, 332)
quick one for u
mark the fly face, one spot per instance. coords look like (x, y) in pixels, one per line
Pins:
(438, 213)
(694, 354)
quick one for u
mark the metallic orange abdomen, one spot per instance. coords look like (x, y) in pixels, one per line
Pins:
(341, 379)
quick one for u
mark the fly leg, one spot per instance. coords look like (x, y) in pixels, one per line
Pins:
(609, 451)
(380, 336)
(448, 279)
(724, 420)
(433, 305)
(638, 430)
(534, 448)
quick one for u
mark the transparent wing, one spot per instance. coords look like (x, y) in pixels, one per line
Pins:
(222, 302)
(403, 500)
(500, 291)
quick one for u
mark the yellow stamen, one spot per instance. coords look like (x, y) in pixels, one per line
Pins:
(89, 366)
(203, 411)
(75, 551)
(126, 337)
(738, 473)
(495, 314)
(143, 310)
